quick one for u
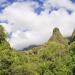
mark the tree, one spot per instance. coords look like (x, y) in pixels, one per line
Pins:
(72, 47)
(2, 34)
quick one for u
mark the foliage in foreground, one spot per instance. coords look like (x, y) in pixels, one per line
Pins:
(52, 58)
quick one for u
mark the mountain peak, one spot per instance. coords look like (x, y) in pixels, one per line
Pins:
(57, 36)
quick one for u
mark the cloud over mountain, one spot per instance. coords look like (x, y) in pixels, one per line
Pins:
(26, 27)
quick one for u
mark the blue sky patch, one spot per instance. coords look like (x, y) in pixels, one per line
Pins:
(39, 10)
(73, 1)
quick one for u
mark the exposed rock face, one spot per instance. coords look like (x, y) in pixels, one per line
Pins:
(57, 36)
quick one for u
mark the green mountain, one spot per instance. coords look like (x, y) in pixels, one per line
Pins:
(73, 35)
(57, 37)
(52, 58)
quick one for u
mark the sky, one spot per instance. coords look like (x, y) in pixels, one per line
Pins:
(31, 22)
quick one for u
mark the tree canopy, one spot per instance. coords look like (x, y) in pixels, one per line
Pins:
(52, 58)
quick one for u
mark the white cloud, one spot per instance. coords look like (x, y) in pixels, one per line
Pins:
(4, 3)
(28, 28)
(60, 4)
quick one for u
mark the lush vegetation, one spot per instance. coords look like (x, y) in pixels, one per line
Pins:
(56, 57)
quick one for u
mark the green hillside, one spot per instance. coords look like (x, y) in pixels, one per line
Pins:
(56, 57)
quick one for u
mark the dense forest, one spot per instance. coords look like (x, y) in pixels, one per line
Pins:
(56, 57)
